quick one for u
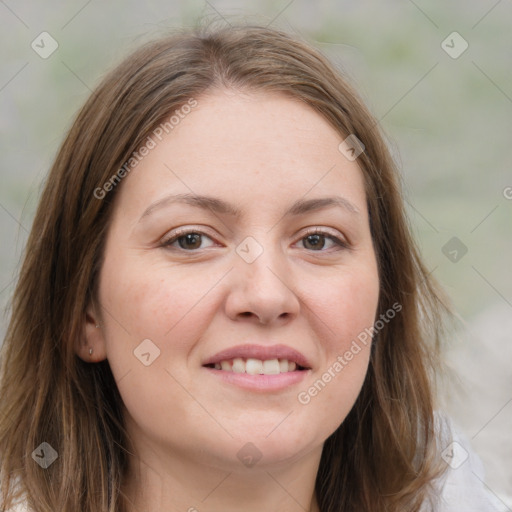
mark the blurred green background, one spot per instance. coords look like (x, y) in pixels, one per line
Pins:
(448, 121)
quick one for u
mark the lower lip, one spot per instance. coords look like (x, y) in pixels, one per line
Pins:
(261, 383)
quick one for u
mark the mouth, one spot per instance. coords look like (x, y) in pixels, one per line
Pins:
(259, 367)
(254, 366)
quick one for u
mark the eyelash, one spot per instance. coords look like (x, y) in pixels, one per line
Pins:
(167, 243)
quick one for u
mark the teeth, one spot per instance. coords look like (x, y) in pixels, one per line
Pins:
(225, 365)
(253, 366)
(238, 365)
(271, 367)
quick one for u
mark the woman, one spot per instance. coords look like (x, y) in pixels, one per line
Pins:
(221, 303)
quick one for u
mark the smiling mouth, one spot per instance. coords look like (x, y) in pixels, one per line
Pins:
(253, 366)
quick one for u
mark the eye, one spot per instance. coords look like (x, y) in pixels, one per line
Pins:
(192, 240)
(316, 240)
(188, 240)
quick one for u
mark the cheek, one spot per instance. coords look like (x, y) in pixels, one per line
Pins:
(155, 301)
(345, 310)
(169, 307)
(347, 304)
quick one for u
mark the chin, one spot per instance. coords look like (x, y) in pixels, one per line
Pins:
(274, 445)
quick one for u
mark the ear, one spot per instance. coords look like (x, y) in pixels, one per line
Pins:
(91, 348)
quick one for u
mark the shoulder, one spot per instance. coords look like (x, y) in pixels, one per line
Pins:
(20, 502)
(19, 507)
(462, 486)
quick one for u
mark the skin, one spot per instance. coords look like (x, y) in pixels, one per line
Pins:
(260, 152)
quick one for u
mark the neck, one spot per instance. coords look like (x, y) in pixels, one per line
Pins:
(170, 482)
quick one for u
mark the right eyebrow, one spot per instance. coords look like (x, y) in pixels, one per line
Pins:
(204, 202)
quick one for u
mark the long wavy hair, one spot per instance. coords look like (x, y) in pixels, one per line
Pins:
(383, 457)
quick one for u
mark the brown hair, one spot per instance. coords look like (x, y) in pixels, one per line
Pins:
(384, 454)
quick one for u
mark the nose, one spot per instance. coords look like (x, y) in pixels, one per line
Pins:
(261, 292)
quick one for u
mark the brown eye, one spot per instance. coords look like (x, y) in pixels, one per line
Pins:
(320, 241)
(188, 241)
(314, 242)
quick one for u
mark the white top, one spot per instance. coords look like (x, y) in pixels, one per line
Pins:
(460, 489)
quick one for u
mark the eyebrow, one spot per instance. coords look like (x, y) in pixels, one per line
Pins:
(299, 207)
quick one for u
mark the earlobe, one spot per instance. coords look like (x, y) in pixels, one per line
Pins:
(91, 348)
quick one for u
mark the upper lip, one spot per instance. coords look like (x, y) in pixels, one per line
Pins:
(262, 352)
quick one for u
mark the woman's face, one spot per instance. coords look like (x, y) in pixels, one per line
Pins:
(240, 244)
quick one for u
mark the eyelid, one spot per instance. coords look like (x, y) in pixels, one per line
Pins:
(172, 236)
(338, 238)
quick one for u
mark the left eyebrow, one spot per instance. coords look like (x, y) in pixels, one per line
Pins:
(299, 207)
(303, 206)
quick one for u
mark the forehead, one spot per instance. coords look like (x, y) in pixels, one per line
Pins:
(247, 147)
